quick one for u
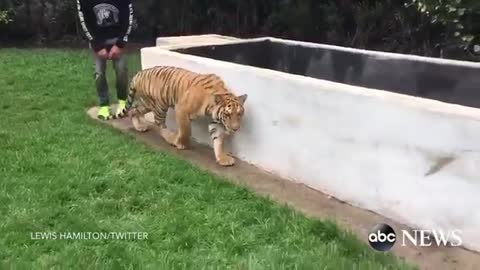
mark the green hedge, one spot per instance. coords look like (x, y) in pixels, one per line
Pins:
(388, 25)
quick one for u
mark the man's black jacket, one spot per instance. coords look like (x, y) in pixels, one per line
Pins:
(106, 22)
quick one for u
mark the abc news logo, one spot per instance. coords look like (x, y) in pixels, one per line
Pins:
(383, 238)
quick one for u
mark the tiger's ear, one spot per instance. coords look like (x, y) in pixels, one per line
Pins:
(243, 98)
(218, 99)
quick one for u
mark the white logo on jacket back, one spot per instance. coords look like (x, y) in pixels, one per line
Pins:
(107, 15)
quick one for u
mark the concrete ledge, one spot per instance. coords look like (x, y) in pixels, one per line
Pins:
(410, 159)
(304, 199)
(194, 40)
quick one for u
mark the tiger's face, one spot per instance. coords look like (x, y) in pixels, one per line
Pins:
(230, 111)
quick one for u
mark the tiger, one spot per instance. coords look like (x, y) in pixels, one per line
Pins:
(192, 95)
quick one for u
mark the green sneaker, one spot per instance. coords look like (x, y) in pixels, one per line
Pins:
(121, 109)
(104, 113)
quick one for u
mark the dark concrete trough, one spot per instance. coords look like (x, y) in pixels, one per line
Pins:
(456, 82)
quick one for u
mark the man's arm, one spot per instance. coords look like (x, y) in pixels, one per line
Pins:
(126, 22)
(87, 26)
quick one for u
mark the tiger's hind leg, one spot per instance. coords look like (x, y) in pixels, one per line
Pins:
(160, 116)
(182, 138)
(138, 118)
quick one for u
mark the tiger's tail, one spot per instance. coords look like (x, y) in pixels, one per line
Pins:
(130, 98)
(128, 105)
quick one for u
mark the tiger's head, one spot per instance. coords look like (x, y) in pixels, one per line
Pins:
(230, 110)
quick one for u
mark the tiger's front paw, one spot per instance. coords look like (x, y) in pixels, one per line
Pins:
(180, 146)
(226, 160)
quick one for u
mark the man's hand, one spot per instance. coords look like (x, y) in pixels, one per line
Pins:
(103, 54)
(115, 52)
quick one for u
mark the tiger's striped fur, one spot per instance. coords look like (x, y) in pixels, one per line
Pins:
(192, 95)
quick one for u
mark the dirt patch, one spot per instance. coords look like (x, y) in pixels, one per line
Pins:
(308, 201)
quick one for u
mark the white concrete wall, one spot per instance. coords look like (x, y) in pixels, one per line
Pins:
(369, 148)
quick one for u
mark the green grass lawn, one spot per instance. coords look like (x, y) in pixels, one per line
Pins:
(61, 171)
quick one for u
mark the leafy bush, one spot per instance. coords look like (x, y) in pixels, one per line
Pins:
(4, 17)
(461, 19)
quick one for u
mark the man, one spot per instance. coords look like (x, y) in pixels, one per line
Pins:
(107, 25)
